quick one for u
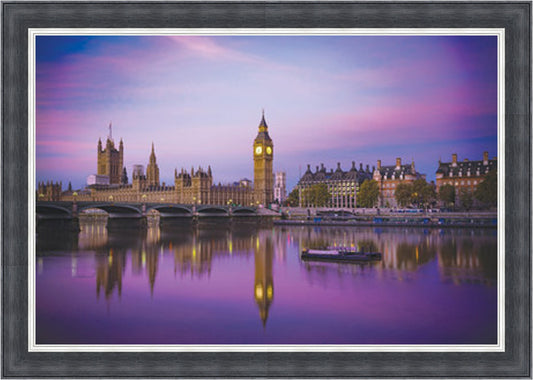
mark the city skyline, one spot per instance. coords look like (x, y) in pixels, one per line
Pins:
(326, 99)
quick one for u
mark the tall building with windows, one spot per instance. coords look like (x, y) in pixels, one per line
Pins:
(110, 161)
(389, 177)
(464, 174)
(343, 186)
(280, 187)
(263, 153)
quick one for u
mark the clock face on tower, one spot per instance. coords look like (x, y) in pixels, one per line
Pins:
(269, 150)
(258, 150)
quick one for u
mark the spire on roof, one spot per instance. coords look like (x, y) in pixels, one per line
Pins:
(263, 127)
(110, 137)
(152, 155)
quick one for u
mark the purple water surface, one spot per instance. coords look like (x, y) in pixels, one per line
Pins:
(244, 284)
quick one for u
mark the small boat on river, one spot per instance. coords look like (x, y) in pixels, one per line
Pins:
(340, 254)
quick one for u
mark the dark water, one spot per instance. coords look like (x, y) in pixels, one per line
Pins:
(246, 284)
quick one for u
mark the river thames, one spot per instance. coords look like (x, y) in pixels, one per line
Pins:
(243, 283)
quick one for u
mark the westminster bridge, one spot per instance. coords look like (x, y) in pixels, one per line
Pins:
(135, 214)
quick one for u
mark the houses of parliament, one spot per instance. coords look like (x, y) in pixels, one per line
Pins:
(190, 187)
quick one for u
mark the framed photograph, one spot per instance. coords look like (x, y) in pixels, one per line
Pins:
(266, 189)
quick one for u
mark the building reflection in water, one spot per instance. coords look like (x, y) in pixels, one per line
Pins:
(192, 248)
(93, 234)
(109, 273)
(467, 256)
(462, 255)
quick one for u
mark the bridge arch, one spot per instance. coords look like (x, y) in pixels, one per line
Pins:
(49, 210)
(113, 209)
(244, 211)
(213, 210)
(171, 210)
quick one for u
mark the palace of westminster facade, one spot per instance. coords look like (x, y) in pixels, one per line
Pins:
(194, 187)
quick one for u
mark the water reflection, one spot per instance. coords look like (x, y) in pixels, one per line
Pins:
(462, 256)
(264, 281)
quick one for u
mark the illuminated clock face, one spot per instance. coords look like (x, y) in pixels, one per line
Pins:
(258, 150)
(269, 150)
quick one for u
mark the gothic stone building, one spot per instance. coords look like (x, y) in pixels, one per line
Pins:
(389, 177)
(342, 185)
(49, 191)
(464, 175)
(110, 161)
(194, 187)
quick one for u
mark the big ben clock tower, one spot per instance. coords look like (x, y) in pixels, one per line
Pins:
(263, 160)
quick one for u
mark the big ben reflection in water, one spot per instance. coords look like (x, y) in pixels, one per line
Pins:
(263, 279)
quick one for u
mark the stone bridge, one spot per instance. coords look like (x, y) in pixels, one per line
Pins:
(122, 212)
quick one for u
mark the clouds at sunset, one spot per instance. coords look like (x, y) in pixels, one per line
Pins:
(326, 99)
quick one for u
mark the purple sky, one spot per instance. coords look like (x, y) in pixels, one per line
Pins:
(326, 99)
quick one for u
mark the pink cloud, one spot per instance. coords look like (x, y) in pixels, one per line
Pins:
(52, 164)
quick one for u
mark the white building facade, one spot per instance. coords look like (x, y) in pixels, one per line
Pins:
(280, 187)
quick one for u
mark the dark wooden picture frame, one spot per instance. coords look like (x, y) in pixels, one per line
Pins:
(515, 17)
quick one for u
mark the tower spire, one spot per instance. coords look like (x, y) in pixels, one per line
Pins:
(263, 127)
(110, 131)
(152, 154)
